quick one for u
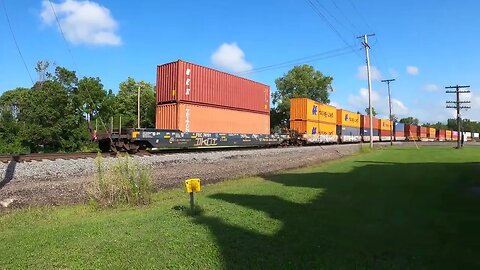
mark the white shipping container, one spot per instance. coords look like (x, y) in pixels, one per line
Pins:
(476, 135)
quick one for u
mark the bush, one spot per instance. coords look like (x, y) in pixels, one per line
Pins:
(126, 182)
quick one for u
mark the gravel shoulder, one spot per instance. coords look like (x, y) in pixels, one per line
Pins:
(64, 181)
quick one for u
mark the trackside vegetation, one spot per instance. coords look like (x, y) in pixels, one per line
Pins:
(398, 208)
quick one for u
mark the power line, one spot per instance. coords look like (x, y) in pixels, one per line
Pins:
(306, 59)
(339, 22)
(76, 68)
(354, 27)
(320, 14)
(360, 14)
(458, 106)
(63, 35)
(16, 43)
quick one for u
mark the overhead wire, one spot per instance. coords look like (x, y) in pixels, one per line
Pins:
(322, 16)
(16, 43)
(306, 59)
(339, 22)
(76, 67)
(345, 17)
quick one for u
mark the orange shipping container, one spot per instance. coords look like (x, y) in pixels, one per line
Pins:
(385, 124)
(303, 109)
(448, 135)
(197, 118)
(348, 118)
(310, 110)
(304, 127)
(431, 133)
(365, 122)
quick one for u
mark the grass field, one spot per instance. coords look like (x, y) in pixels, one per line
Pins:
(397, 208)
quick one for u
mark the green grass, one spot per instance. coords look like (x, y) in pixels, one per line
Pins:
(398, 208)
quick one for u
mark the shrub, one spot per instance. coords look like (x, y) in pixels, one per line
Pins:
(126, 182)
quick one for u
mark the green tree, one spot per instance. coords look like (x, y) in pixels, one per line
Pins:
(409, 120)
(374, 112)
(126, 103)
(300, 81)
(394, 118)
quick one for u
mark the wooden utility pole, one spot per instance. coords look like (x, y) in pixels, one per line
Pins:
(458, 106)
(367, 56)
(390, 106)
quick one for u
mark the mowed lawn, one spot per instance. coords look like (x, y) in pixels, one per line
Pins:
(398, 208)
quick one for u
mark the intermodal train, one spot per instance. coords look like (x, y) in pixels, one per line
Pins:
(199, 107)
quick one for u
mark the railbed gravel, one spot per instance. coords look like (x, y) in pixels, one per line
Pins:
(64, 181)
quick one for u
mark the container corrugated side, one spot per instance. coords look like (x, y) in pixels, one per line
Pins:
(431, 132)
(441, 134)
(303, 109)
(348, 119)
(411, 131)
(197, 118)
(422, 132)
(448, 135)
(310, 110)
(327, 114)
(304, 127)
(385, 125)
(327, 129)
(186, 82)
(365, 122)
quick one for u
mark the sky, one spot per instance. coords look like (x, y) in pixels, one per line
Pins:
(424, 45)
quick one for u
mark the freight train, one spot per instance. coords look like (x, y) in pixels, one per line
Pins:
(199, 107)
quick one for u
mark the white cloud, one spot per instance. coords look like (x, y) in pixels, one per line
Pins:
(374, 73)
(431, 87)
(82, 22)
(379, 102)
(413, 70)
(231, 57)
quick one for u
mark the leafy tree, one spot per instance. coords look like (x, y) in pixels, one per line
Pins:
(367, 111)
(409, 120)
(300, 81)
(394, 118)
(126, 103)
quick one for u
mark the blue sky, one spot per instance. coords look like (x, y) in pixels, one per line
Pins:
(425, 45)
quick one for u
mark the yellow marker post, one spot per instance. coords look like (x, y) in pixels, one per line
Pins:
(192, 185)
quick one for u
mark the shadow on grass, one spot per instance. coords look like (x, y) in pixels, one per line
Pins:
(377, 216)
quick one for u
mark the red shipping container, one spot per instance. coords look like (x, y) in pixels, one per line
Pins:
(197, 118)
(185, 82)
(411, 131)
(422, 132)
(365, 122)
(441, 134)
(454, 135)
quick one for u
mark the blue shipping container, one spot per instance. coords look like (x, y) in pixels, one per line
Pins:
(398, 127)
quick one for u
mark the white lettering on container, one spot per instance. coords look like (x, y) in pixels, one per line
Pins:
(187, 82)
(187, 120)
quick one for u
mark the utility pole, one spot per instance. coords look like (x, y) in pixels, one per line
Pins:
(138, 107)
(458, 105)
(390, 106)
(367, 56)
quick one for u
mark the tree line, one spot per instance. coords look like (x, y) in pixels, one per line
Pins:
(59, 112)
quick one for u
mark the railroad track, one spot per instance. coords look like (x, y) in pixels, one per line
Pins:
(47, 156)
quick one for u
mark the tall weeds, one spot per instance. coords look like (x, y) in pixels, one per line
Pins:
(126, 182)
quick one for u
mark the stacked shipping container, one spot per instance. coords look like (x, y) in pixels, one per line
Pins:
(365, 128)
(399, 131)
(385, 129)
(411, 132)
(441, 135)
(315, 120)
(454, 135)
(431, 133)
(192, 98)
(348, 126)
(422, 133)
(448, 135)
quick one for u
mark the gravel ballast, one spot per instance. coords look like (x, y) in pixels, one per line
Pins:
(64, 181)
